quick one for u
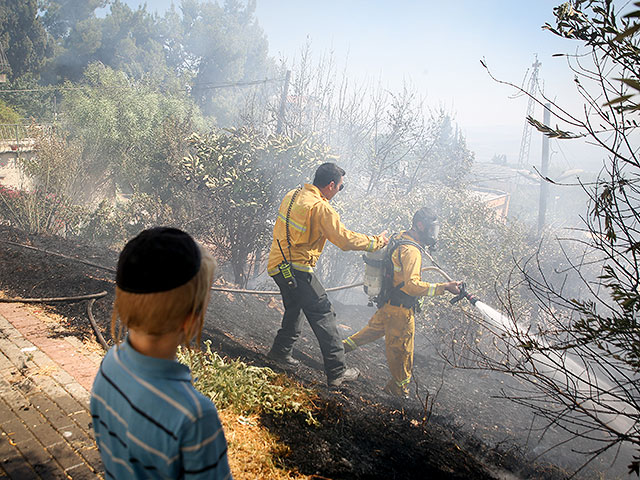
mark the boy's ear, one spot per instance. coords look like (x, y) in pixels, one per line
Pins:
(189, 326)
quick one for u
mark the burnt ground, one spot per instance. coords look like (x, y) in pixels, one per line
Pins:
(464, 432)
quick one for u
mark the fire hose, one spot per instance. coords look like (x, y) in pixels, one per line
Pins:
(215, 289)
(91, 300)
(93, 297)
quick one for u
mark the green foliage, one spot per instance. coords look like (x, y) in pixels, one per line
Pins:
(22, 37)
(30, 100)
(220, 44)
(205, 44)
(60, 17)
(113, 223)
(241, 175)
(104, 225)
(124, 39)
(8, 115)
(248, 390)
(124, 125)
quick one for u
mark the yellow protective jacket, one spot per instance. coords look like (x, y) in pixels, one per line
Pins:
(407, 266)
(312, 222)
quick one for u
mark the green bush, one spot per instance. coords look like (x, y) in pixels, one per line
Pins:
(8, 115)
(247, 389)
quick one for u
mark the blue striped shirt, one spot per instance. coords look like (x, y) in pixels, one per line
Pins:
(150, 422)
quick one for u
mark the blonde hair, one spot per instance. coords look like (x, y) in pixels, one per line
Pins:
(163, 312)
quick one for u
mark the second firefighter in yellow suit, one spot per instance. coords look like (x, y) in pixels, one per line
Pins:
(395, 320)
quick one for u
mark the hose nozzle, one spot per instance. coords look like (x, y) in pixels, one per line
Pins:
(464, 294)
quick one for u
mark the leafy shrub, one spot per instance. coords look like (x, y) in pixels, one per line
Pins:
(113, 223)
(8, 114)
(245, 388)
(37, 211)
(126, 129)
(241, 175)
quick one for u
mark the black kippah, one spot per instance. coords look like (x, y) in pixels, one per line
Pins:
(157, 260)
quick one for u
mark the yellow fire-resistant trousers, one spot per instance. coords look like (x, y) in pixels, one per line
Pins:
(397, 325)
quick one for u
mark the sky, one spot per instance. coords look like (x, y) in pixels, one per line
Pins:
(436, 47)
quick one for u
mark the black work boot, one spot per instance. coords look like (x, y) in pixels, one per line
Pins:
(283, 359)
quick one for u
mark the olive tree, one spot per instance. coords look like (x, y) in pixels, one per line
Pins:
(126, 128)
(239, 176)
(581, 357)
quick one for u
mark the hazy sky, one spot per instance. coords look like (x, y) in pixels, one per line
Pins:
(437, 47)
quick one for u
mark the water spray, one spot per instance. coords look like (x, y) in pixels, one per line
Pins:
(609, 408)
(616, 415)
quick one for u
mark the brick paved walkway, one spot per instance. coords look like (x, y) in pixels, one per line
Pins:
(45, 425)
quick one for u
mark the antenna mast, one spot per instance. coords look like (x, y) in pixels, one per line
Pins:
(532, 87)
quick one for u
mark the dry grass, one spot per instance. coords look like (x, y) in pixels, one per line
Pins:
(242, 393)
(254, 453)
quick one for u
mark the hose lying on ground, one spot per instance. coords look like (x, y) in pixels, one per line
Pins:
(78, 298)
(216, 289)
(96, 330)
(95, 296)
(92, 298)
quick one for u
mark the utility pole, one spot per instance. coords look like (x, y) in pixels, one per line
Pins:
(544, 171)
(283, 102)
(4, 66)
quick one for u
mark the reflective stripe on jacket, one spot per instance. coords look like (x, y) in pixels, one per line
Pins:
(407, 266)
(312, 222)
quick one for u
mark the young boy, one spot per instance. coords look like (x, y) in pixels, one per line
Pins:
(149, 421)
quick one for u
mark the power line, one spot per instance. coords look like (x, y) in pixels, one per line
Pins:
(210, 85)
(202, 86)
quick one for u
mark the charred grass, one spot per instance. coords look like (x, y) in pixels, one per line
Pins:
(357, 433)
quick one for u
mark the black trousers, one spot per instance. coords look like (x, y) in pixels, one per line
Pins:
(310, 298)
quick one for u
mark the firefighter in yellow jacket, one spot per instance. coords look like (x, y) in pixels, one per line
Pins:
(304, 223)
(395, 320)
